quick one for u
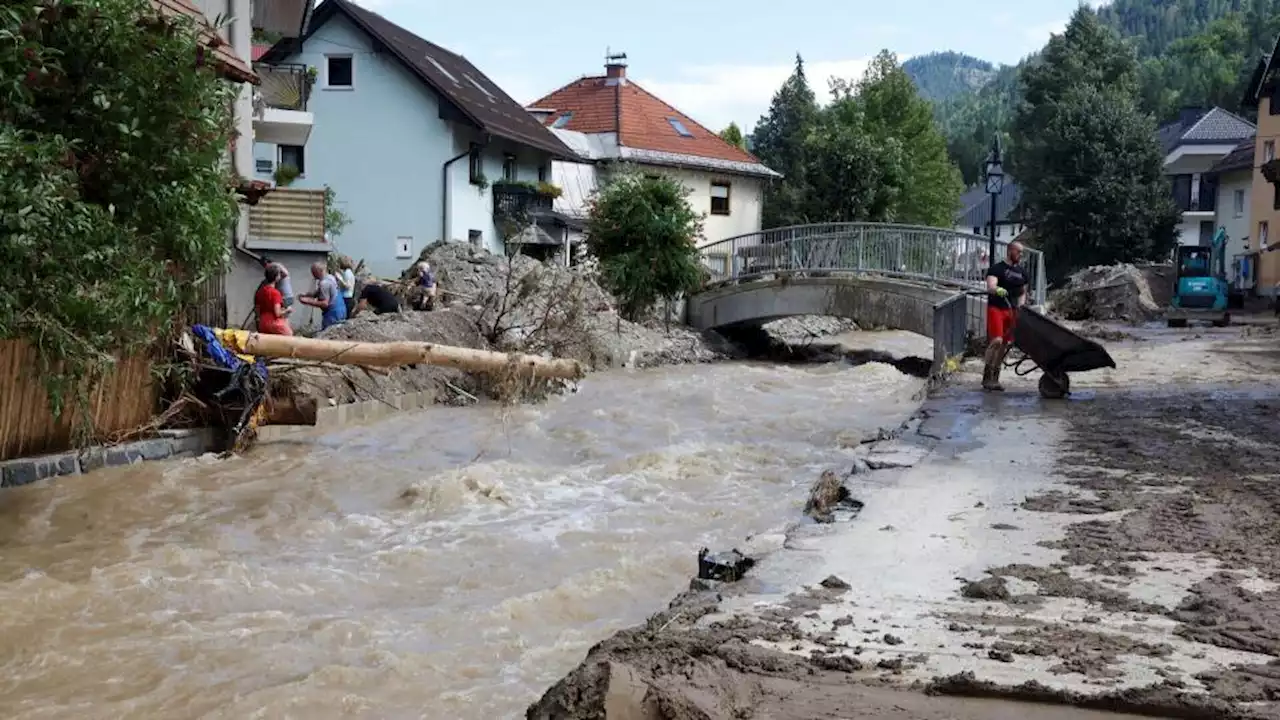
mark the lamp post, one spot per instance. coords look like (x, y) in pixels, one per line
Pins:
(995, 185)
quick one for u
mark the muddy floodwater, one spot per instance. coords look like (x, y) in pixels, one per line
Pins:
(449, 563)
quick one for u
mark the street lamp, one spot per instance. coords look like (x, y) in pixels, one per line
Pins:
(995, 185)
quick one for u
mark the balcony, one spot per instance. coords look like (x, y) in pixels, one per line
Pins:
(1194, 194)
(288, 218)
(521, 199)
(280, 115)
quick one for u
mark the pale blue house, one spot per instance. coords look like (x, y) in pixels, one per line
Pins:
(415, 141)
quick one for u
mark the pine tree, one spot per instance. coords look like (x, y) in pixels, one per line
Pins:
(733, 136)
(778, 140)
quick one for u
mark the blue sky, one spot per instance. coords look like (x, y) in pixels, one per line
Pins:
(722, 62)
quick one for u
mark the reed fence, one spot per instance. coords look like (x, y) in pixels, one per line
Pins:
(123, 400)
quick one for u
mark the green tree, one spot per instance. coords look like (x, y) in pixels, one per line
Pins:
(117, 198)
(778, 140)
(642, 230)
(855, 176)
(894, 113)
(1088, 160)
(733, 136)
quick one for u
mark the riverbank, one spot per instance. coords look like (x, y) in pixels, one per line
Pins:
(1115, 551)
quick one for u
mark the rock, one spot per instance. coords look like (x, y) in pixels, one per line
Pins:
(896, 457)
(728, 566)
(824, 496)
(890, 639)
(992, 587)
(833, 582)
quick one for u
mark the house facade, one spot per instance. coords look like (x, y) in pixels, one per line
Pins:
(417, 144)
(1233, 177)
(974, 214)
(1263, 94)
(609, 118)
(1193, 144)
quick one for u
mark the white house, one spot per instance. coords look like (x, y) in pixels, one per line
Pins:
(1192, 145)
(415, 141)
(1233, 176)
(610, 118)
(974, 213)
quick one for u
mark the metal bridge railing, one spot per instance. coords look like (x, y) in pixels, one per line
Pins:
(909, 252)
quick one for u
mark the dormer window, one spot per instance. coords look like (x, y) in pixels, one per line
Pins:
(562, 120)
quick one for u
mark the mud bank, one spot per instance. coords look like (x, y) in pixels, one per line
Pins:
(1114, 552)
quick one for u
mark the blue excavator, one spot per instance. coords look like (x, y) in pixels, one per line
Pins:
(1200, 287)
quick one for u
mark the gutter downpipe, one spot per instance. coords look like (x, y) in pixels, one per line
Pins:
(445, 195)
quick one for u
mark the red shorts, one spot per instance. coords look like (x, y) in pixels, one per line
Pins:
(1000, 322)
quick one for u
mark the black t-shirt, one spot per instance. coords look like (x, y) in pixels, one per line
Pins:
(1010, 277)
(380, 299)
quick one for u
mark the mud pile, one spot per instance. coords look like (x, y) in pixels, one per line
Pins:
(545, 308)
(1108, 293)
(456, 326)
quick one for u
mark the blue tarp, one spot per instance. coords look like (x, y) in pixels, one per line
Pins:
(220, 354)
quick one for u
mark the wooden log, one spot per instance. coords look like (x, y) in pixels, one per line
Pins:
(393, 354)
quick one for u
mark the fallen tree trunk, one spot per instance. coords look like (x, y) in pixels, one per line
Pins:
(392, 354)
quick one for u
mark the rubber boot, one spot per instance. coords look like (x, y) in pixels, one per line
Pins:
(991, 369)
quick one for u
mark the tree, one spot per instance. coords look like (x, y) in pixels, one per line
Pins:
(894, 113)
(854, 175)
(733, 136)
(642, 230)
(1088, 159)
(117, 199)
(778, 140)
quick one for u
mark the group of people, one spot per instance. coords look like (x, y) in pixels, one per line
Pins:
(335, 295)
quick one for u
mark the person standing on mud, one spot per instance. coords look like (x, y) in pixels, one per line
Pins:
(346, 278)
(1006, 292)
(273, 316)
(327, 298)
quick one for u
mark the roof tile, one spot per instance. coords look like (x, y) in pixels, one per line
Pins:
(642, 120)
(230, 64)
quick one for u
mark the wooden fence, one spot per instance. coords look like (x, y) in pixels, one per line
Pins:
(124, 400)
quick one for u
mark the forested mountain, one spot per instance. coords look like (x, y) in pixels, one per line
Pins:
(943, 75)
(1190, 53)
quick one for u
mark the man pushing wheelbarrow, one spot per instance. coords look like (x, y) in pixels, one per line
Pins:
(1006, 292)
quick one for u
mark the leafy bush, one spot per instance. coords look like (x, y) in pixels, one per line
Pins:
(117, 200)
(642, 230)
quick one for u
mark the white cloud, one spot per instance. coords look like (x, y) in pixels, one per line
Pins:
(716, 95)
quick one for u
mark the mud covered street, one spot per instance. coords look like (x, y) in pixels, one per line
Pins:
(1117, 552)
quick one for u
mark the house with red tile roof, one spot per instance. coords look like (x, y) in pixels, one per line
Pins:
(611, 118)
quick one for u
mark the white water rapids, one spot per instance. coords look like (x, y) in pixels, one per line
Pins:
(450, 563)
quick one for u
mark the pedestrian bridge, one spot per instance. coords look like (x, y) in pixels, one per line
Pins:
(900, 277)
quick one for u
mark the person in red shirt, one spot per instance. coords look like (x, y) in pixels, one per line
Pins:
(273, 316)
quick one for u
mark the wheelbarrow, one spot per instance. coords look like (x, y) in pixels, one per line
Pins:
(1040, 343)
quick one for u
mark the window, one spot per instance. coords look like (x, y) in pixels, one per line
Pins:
(509, 168)
(1239, 203)
(542, 173)
(977, 230)
(404, 247)
(1275, 197)
(679, 127)
(476, 238)
(264, 165)
(1268, 151)
(339, 72)
(294, 155)
(562, 120)
(1262, 235)
(474, 167)
(719, 198)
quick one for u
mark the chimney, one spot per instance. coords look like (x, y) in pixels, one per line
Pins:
(615, 68)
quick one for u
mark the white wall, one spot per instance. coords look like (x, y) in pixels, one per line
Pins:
(746, 201)
(1233, 217)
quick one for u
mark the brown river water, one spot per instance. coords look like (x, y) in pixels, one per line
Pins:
(450, 563)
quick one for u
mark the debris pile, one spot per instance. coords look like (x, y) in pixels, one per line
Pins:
(1107, 293)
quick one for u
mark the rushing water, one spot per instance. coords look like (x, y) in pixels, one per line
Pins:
(450, 563)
